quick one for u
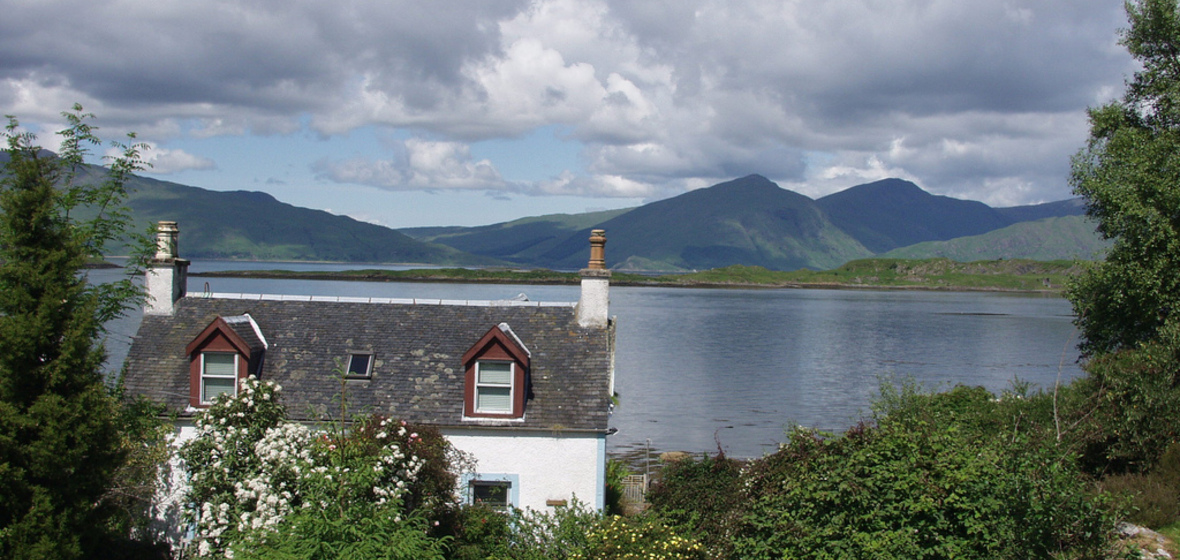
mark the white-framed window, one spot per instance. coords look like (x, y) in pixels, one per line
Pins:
(493, 386)
(360, 365)
(219, 374)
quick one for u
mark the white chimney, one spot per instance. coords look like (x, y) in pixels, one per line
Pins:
(594, 304)
(166, 277)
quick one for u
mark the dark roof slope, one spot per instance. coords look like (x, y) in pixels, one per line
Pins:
(417, 371)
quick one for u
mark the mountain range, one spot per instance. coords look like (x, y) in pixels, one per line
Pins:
(753, 221)
(749, 221)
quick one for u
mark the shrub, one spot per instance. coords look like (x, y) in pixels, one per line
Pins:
(938, 476)
(262, 487)
(702, 498)
(636, 538)
(1129, 412)
(1154, 498)
(616, 472)
(480, 532)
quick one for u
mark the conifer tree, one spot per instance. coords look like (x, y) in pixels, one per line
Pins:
(59, 439)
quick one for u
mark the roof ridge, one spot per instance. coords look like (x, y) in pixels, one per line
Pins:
(383, 300)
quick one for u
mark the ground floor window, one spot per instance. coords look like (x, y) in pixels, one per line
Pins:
(492, 494)
(497, 491)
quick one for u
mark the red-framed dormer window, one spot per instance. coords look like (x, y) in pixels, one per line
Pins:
(497, 380)
(219, 375)
(220, 358)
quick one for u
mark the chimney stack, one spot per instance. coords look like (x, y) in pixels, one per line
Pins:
(166, 277)
(594, 304)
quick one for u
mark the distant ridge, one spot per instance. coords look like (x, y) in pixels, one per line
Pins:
(893, 213)
(1069, 207)
(254, 225)
(520, 240)
(749, 221)
(1048, 239)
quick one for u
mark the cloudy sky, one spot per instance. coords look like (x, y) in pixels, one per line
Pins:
(467, 112)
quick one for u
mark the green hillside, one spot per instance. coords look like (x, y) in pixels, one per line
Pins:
(745, 221)
(939, 273)
(751, 221)
(256, 226)
(1069, 237)
(521, 241)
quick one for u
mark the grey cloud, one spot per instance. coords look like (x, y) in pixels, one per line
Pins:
(664, 94)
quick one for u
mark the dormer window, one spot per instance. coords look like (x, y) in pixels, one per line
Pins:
(497, 378)
(219, 375)
(224, 353)
(360, 366)
(493, 386)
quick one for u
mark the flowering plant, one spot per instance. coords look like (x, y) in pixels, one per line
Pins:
(260, 484)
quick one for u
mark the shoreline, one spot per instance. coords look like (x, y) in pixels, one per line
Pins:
(628, 280)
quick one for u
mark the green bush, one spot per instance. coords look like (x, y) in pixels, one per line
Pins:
(616, 471)
(637, 538)
(480, 532)
(701, 498)
(1154, 497)
(938, 476)
(1131, 397)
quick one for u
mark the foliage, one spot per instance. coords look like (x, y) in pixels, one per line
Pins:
(702, 498)
(1153, 496)
(145, 445)
(481, 532)
(1128, 416)
(363, 534)
(616, 472)
(478, 532)
(571, 532)
(1129, 176)
(636, 538)
(937, 476)
(263, 487)
(60, 443)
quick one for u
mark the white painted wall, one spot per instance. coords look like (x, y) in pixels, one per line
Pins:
(549, 465)
(543, 466)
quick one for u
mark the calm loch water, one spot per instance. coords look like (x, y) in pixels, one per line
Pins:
(700, 368)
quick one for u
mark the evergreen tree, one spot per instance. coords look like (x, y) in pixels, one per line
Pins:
(1129, 174)
(59, 441)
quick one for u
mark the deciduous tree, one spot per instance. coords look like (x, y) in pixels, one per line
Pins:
(1129, 174)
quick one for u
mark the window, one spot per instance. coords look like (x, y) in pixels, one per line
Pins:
(360, 365)
(219, 374)
(493, 387)
(491, 493)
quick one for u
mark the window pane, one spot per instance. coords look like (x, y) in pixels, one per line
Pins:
(494, 494)
(358, 365)
(493, 399)
(217, 385)
(220, 364)
(499, 373)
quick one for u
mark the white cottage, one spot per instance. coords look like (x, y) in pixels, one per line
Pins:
(524, 387)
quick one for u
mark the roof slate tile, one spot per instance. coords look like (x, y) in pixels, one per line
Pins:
(417, 374)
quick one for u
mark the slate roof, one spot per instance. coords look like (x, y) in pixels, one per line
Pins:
(417, 373)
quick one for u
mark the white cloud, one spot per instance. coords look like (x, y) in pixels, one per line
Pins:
(164, 161)
(417, 165)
